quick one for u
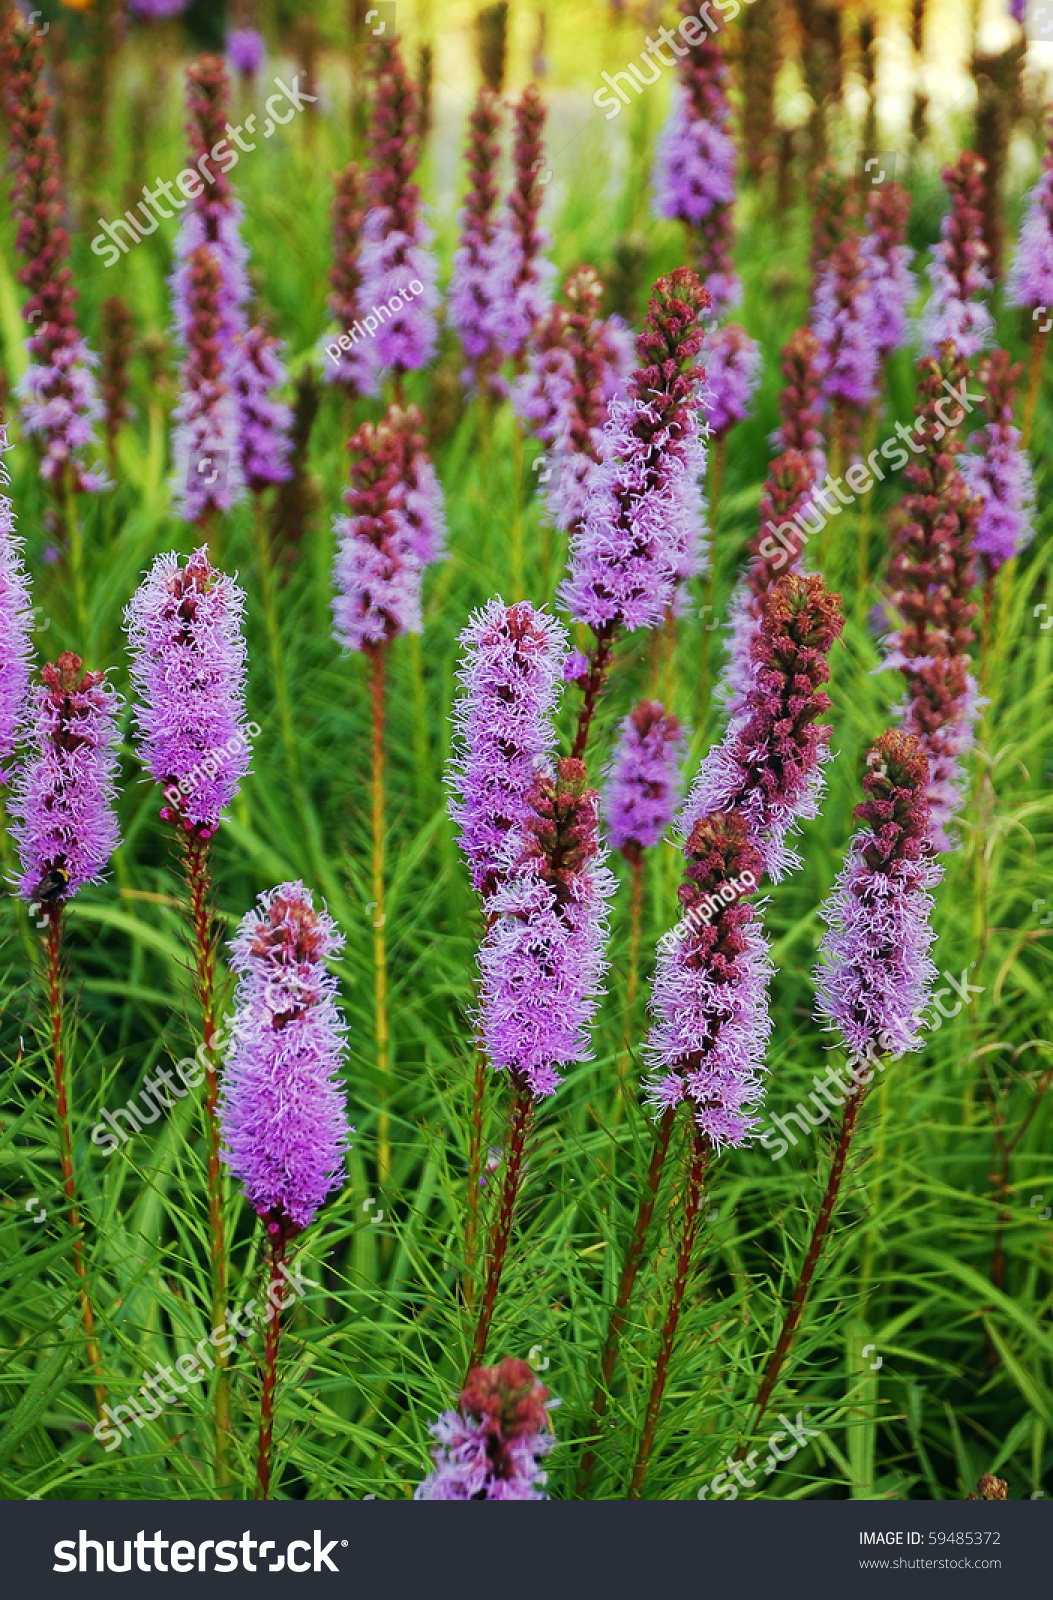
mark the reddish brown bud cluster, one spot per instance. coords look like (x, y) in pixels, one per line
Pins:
(897, 807)
(393, 138)
(562, 831)
(348, 216)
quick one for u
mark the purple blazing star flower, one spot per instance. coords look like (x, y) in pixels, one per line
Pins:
(709, 999)
(399, 272)
(643, 780)
(395, 527)
(694, 164)
(16, 623)
(1030, 280)
(769, 766)
(999, 474)
(641, 529)
(876, 975)
(958, 272)
(733, 370)
(845, 321)
(475, 301)
(542, 960)
(524, 273)
(63, 797)
(157, 9)
(206, 444)
(892, 284)
(264, 423)
(491, 1447)
(57, 391)
(577, 364)
(503, 731)
(246, 50)
(282, 1103)
(188, 668)
(353, 367)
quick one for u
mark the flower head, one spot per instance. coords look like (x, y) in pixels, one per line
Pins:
(800, 418)
(709, 1007)
(578, 363)
(769, 767)
(206, 447)
(57, 391)
(732, 361)
(844, 319)
(644, 777)
(641, 526)
(246, 50)
(892, 283)
(491, 1447)
(542, 960)
(188, 669)
(503, 731)
(157, 9)
(16, 622)
(264, 423)
(876, 971)
(998, 471)
(958, 271)
(1030, 280)
(395, 527)
(282, 1105)
(694, 177)
(475, 299)
(526, 275)
(63, 796)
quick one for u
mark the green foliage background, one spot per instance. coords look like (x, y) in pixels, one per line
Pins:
(374, 1353)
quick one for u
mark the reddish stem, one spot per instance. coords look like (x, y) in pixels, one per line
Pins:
(199, 884)
(475, 1166)
(853, 1106)
(53, 945)
(620, 1311)
(599, 667)
(692, 1218)
(270, 1365)
(519, 1127)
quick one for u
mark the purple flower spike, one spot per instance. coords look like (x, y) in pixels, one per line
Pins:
(57, 391)
(958, 271)
(206, 444)
(542, 961)
(282, 1104)
(644, 778)
(157, 9)
(769, 766)
(264, 422)
(999, 474)
(694, 177)
(399, 272)
(188, 669)
(709, 1000)
(892, 283)
(1030, 280)
(246, 50)
(578, 363)
(526, 274)
(503, 732)
(844, 318)
(733, 370)
(354, 367)
(395, 527)
(641, 529)
(876, 974)
(491, 1447)
(16, 623)
(63, 797)
(475, 297)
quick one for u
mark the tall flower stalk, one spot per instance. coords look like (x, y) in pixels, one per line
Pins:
(352, 369)
(525, 271)
(476, 309)
(282, 1110)
(640, 530)
(876, 971)
(957, 309)
(66, 831)
(844, 319)
(503, 736)
(932, 572)
(188, 668)
(541, 963)
(695, 162)
(394, 528)
(1030, 281)
(996, 469)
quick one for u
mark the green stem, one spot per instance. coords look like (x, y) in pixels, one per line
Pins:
(517, 511)
(274, 642)
(76, 557)
(378, 658)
